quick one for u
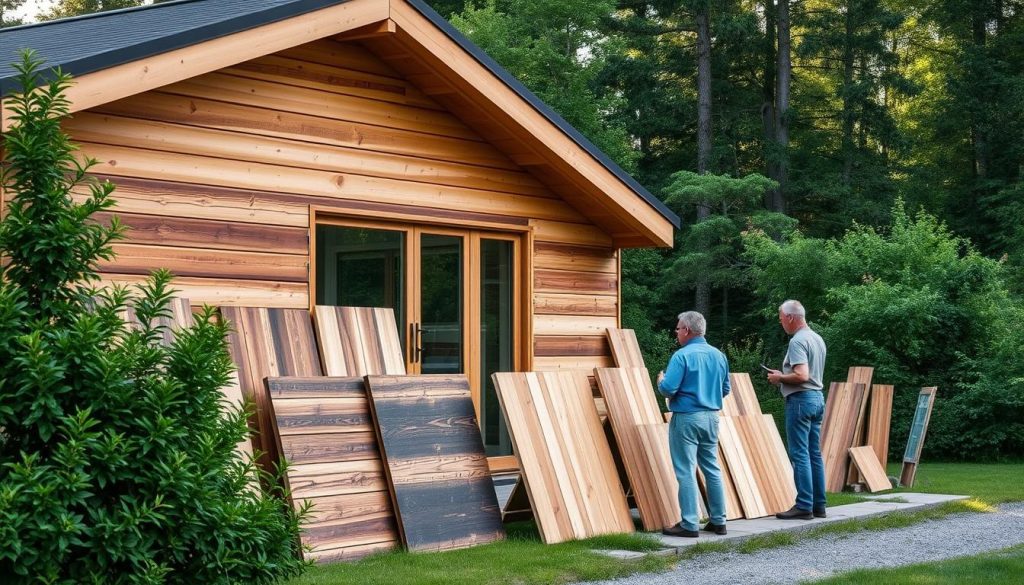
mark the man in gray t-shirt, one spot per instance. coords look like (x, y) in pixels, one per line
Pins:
(800, 383)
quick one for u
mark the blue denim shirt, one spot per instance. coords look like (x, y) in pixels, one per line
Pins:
(697, 378)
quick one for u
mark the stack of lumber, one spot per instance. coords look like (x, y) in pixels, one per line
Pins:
(857, 414)
(566, 464)
(756, 474)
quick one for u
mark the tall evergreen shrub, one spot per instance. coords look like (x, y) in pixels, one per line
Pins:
(118, 459)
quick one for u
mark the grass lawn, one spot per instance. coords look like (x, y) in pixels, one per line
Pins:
(1005, 566)
(524, 560)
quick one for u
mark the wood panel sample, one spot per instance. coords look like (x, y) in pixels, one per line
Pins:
(741, 468)
(566, 463)
(625, 348)
(837, 431)
(629, 398)
(859, 375)
(359, 341)
(879, 419)
(742, 399)
(325, 431)
(774, 481)
(871, 470)
(733, 507)
(435, 462)
(269, 343)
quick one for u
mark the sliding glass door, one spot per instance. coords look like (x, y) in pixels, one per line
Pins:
(455, 295)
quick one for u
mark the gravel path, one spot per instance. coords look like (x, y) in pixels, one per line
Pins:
(952, 536)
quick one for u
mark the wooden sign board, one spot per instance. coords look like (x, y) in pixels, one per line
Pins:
(435, 462)
(918, 428)
(325, 432)
(566, 463)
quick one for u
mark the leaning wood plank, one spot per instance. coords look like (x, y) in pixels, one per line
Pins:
(784, 468)
(359, 341)
(870, 469)
(625, 348)
(741, 468)
(768, 472)
(269, 342)
(566, 462)
(629, 397)
(435, 462)
(879, 420)
(918, 429)
(326, 434)
(838, 432)
(742, 400)
(859, 375)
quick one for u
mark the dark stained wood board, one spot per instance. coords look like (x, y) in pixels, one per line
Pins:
(325, 431)
(434, 461)
(359, 341)
(566, 463)
(269, 343)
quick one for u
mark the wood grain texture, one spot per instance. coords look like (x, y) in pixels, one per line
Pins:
(359, 341)
(742, 400)
(741, 468)
(326, 434)
(859, 375)
(435, 461)
(572, 304)
(773, 477)
(870, 469)
(837, 431)
(566, 463)
(269, 343)
(625, 348)
(879, 420)
(574, 345)
(631, 403)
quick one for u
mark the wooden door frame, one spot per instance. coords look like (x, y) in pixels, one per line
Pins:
(472, 232)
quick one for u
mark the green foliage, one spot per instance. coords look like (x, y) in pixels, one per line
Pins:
(118, 459)
(925, 309)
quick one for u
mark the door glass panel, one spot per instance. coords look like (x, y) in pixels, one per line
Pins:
(441, 304)
(496, 349)
(360, 267)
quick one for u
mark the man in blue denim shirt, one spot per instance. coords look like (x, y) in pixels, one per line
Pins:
(800, 383)
(695, 381)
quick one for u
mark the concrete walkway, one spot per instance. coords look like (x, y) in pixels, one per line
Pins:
(740, 530)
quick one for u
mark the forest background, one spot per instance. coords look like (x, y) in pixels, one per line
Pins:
(863, 156)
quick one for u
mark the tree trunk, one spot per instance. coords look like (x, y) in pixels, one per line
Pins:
(702, 296)
(847, 89)
(768, 103)
(978, 136)
(783, 79)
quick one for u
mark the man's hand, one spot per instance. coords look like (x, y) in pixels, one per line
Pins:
(661, 376)
(775, 377)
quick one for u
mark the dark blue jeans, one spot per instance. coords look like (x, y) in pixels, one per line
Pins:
(804, 412)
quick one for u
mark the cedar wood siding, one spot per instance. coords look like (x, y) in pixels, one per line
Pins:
(216, 175)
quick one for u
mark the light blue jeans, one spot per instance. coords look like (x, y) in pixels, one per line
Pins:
(804, 412)
(693, 440)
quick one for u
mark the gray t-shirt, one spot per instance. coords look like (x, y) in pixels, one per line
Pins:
(805, 347)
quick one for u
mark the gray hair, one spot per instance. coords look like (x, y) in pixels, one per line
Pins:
(693, 321)
(792, 307)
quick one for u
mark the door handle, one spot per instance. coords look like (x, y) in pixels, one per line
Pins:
(416, 342)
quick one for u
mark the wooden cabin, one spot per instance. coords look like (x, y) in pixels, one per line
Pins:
(287, 153)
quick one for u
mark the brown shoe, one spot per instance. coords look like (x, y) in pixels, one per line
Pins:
(678, 530)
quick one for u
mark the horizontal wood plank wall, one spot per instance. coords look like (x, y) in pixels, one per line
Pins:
(216, 176)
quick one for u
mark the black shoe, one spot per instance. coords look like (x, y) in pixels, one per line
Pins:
(716, 528)
(678, 530)
(795, 513)
(820, 513)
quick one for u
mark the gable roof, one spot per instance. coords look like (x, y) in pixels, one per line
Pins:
(84, 45)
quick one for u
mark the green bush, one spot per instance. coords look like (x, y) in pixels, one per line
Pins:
(118, 459)
(925, 309)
